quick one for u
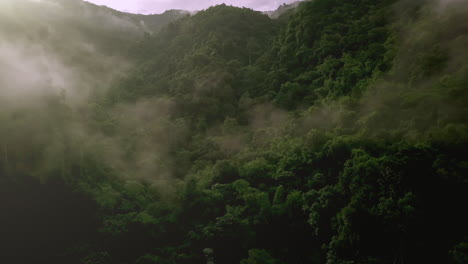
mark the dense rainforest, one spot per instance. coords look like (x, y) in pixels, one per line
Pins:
(329, 131)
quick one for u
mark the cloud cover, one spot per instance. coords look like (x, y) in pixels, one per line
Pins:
(159, 6)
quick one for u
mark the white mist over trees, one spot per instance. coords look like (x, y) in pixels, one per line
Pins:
(324, 132)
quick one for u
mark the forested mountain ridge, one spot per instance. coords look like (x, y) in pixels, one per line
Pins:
(72, 19)
(334, 134)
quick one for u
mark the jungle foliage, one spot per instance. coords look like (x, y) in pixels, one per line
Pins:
(335, 134)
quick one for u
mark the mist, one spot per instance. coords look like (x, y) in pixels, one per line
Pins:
(53, 69)
(305, 135)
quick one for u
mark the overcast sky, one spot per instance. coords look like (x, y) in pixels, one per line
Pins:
(159, 6)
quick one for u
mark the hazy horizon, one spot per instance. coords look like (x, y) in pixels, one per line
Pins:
(159, 6)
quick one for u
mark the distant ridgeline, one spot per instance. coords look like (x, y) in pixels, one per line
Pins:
(327, 131)
(89, 22)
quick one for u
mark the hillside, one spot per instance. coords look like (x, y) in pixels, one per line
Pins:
(78, 21)
(336, 133)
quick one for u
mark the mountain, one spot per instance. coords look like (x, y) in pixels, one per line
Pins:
(195, 58)
(334, 134)
(98, 25)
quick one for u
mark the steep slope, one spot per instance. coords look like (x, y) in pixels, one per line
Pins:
(346, 175)
(197, 61)
(330, 49)
(336, 134)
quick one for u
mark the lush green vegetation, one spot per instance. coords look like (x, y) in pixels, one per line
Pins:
(336, 133)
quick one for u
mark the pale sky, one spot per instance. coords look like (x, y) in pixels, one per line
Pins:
(159, 6)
